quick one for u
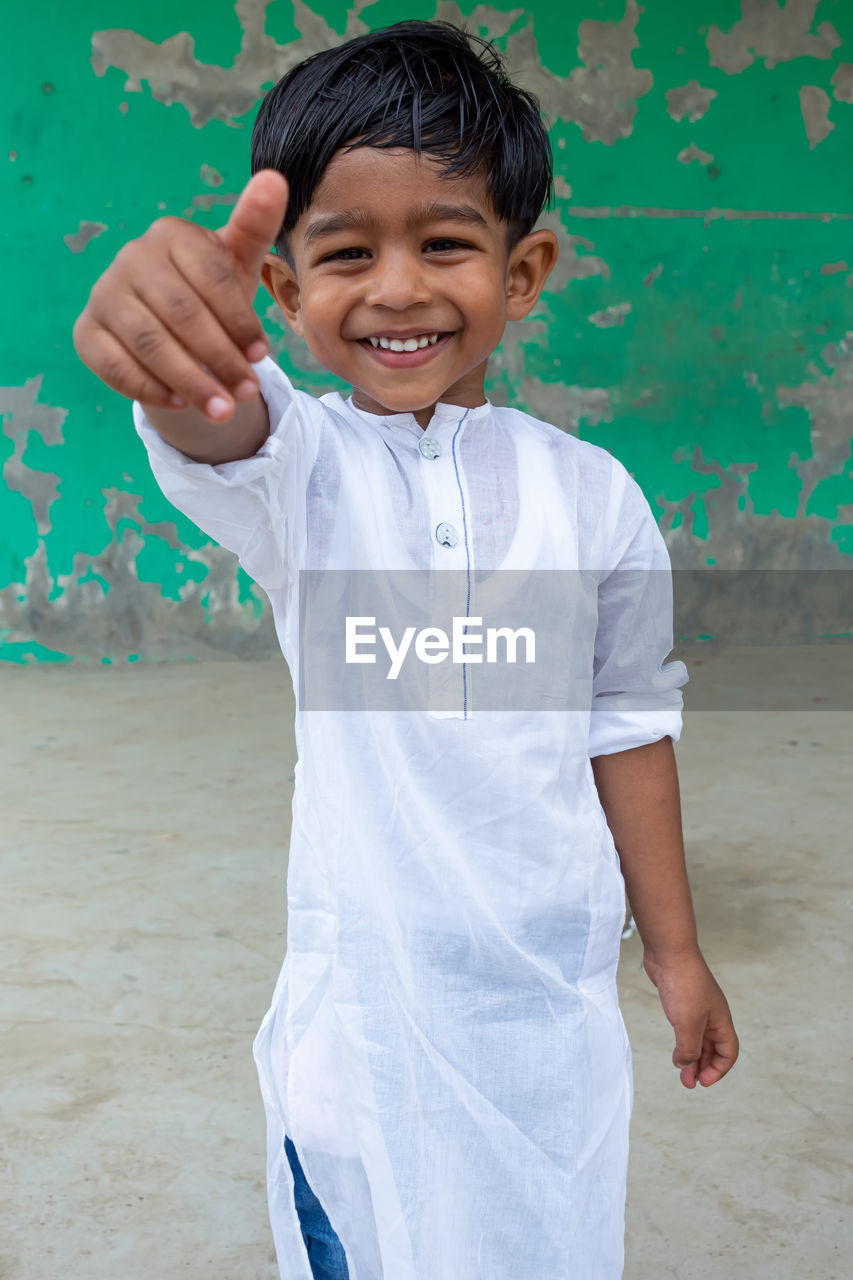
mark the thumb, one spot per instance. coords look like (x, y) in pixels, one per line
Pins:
(255, 222)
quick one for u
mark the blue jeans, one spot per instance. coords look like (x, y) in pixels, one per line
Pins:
(325, 1251)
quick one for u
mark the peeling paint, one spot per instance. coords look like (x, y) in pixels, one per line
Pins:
(763, 541)
(209, 199)
(690, 101)
(814, 104)
(691, 153)
(23, 415)
(843, 81)
(708, 215)
(601, 95)
(86, 231)
(772, 32)
(827, 398)
(209, 92)
(571, 265)
(610, 316)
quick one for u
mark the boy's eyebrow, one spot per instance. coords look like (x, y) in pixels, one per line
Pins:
(352, 218)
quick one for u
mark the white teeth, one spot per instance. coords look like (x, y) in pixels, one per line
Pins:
(410, 344)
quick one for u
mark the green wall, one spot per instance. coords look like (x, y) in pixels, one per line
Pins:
(697, 324)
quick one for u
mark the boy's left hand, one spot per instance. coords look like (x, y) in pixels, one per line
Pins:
(706, 1043)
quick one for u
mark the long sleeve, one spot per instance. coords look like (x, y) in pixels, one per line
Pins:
(637, 695)
(246, 505)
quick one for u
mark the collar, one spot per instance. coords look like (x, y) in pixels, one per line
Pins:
(445, 417)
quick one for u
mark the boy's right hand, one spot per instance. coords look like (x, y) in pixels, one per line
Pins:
(173, 314)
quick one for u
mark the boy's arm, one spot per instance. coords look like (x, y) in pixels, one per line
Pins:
(639, 794)
(189, 431)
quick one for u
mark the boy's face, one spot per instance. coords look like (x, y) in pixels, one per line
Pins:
(400, 269)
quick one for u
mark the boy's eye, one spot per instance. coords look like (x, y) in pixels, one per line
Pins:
(453, 244)
(341, 252)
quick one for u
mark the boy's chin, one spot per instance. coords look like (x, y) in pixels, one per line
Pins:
(416, 394)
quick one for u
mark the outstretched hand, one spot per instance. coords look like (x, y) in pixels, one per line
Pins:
(171, 321)
(706, 1043)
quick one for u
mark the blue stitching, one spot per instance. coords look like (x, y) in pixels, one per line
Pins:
(467, 557)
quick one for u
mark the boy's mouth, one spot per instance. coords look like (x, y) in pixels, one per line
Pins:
(406, 359)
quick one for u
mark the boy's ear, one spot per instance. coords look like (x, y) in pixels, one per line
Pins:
(281, 284)
(530, 264)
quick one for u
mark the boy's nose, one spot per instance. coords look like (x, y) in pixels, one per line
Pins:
(397, 281)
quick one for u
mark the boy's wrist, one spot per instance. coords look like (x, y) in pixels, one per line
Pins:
(668, 955)
(192, 434)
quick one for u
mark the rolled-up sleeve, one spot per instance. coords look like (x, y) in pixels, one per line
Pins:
(636, 693)
(246, 505)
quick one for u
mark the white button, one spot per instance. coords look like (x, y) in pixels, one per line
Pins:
(446, 535)
(429, 448)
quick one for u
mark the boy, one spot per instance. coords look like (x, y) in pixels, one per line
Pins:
(444, 1067)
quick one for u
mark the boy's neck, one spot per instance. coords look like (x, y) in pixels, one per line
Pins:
(423, 417)
(470, 397)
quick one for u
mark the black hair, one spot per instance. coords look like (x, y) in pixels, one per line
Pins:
(416, 84)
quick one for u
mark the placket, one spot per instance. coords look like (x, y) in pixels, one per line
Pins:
(451, 580)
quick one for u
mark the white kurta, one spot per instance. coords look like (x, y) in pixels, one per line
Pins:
(444, 1044)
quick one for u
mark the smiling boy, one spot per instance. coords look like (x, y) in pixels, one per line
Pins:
(443, 269)
(444, 1066)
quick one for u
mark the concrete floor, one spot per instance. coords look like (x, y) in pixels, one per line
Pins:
(142, 925)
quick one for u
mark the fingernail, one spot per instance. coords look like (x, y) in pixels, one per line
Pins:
(256, 351)
(245, 390)
(217, 407)
(177, 401)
